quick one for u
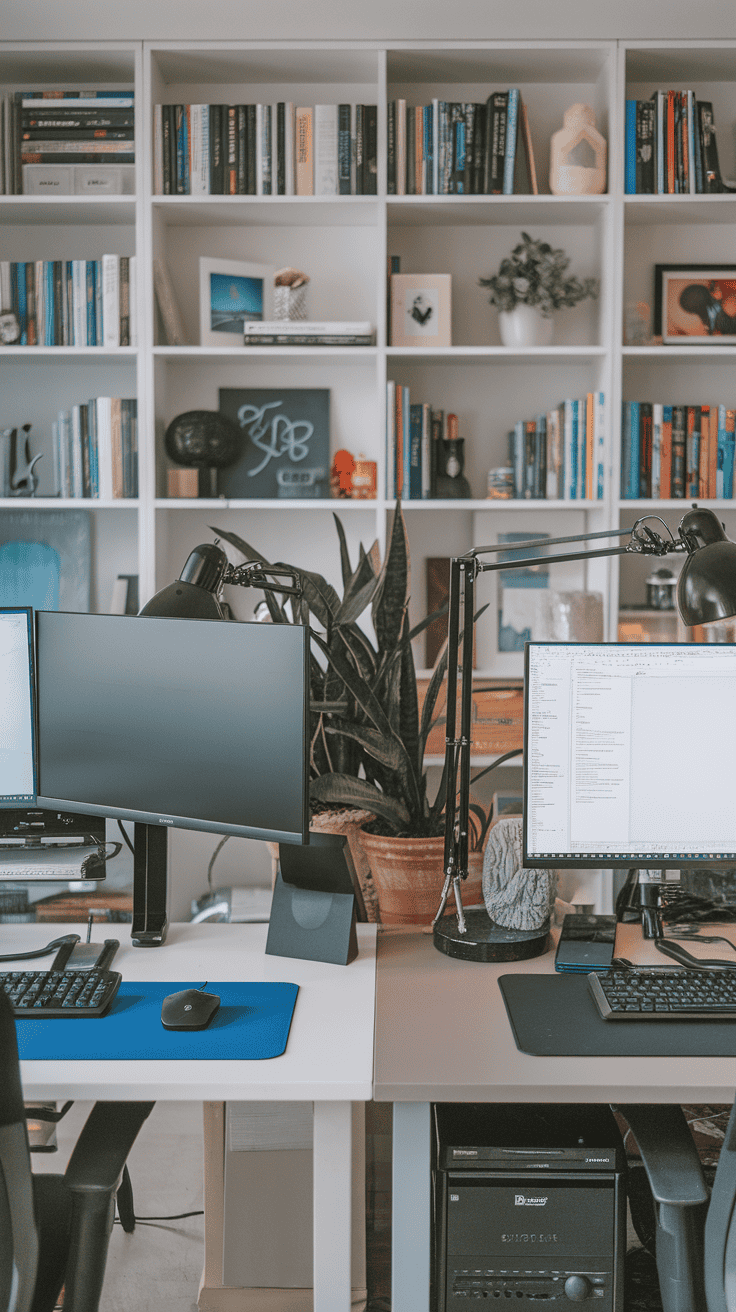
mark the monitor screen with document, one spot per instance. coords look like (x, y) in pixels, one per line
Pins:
(17, 736)
(629, 754)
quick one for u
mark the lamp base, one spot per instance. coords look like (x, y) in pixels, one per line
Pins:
(486, 941)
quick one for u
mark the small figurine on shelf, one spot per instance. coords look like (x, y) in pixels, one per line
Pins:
(577, 155)
(451, 482)
(21, 469)
(341, 475)
(290, 294)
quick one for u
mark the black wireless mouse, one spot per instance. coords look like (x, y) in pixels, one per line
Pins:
(189, 1010)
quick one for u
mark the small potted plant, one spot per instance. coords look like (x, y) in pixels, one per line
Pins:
(531, 283)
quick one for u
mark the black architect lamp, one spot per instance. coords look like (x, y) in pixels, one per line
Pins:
(706, 592)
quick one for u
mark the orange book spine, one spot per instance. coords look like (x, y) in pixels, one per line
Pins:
(665, 455)
(589, 447)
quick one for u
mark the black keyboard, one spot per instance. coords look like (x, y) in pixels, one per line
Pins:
(50, 993)
(665, 994)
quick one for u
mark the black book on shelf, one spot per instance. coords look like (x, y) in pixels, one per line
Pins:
(215, 150)
(370, 150)
(280, 187)
(391, 148)
(359, 148)
(711, 172)
(469, 170)
(250, 124)
(411, 166)
(645, 129)
(240, 151)
(479, 150)
(495, 142)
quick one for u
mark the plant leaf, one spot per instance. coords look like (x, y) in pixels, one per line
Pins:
(384, 750)
(345, 565)
(354, 603)
(392, 597)
(356, 686)
(343, 790)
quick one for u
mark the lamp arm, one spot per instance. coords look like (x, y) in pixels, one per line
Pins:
(463, 573)
(253, 575)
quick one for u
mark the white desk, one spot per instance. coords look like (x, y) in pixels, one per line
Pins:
(328, 1059)
(442, 1035)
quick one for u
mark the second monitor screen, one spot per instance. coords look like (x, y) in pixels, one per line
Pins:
(193, 722)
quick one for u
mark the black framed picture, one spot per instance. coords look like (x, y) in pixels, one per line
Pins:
(286, 442)
(695, 304)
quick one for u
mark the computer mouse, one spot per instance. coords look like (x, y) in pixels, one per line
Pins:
(189, 1010)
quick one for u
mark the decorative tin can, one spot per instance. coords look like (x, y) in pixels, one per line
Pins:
(364, 480)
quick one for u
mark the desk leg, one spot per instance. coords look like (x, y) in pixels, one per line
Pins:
(411, 1207)
(333, 1142)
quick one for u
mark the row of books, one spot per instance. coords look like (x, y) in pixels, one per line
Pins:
(670, 146)
(413, 436)
(451, 149)
(70, 302)
(95, 449)
(265, 150)
(673, 451)
(63, 128)
(560, 455)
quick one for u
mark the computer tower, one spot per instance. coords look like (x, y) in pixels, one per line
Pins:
(529, 1204)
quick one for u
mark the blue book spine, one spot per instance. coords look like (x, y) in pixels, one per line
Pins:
(92, 461)
(429, 149)
(459, 151)
(720, 471)
(630, 149)
(581, 411)
(512, 119)
(574, 452)
(22, 307)
(406, 443)
(415, 453)
(728, 458)
(600, 442)
(91, 305)
(633, 481)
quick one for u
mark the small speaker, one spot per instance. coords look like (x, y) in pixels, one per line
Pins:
(313, 909)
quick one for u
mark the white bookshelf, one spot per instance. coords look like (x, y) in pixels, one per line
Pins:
(343, 244)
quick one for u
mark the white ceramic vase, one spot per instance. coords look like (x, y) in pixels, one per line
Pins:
(524, 326)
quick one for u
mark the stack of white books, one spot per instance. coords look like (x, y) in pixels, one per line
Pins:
(305, 332)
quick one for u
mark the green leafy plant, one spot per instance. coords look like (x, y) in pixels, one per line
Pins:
(535, 274)
(367, 737)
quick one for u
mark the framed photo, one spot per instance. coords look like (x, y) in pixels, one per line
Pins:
(421, 312)
(286, 442)
(231, 294)
(695, 303)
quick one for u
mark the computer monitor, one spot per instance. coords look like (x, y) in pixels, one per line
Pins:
(17, 728)
(175, 722)
(628, 755)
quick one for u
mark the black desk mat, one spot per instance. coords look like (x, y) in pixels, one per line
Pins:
(555, 1016)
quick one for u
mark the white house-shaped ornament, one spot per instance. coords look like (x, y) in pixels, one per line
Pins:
(577, 155)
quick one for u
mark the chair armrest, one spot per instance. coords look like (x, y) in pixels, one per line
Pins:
(681, 1202)
(102, 1148)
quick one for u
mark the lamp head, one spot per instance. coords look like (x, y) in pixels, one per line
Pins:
(706, 590)
(194, 595)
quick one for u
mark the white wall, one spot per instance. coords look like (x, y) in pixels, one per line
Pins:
(90, 20)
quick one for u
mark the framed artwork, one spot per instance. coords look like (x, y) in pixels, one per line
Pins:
(45, 559)
(231, 294)
(421, 310)
(286, 442)
(695, 303)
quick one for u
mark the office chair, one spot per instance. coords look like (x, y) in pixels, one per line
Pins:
(695, 1239)
(55, 1229)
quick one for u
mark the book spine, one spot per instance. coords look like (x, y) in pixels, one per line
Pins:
(72, 135)
(158, 151)
(241, 151)
(103, 405)
(446, 148)
(713, 452)
(645, 161)
(370, 152)
(530, 430)
(458, 149)
(415, 452)
(77, 488)
(406, 444)
(429, 149)
(215, 150)
(679, 448)
(555, 461)
(390, 148)
(665, 462)
(31, 332)
(344, 148)
(703, 458)
(110, 300)
(518, 457)
(116, 447)
(711, 171)
(698, 149)
(645, 449)
(426, 452)
(360, 151)
(280, 147)
(400, 147)
(92, 455)
(600, 443)
(390, 440)
(636, 489)
(691, 130)
(512, 119)
(692, 451)
(630, 148)
(657, 418)
(20, 298)
(304, 172)
(570, 451)
(728, 455)
(540, 457)
(182, 151)
(469, 176)
(325, 150)
(721, 450)
(590, 452)
(124, 300)
(84, 450)
(437, 428)
(90, 325)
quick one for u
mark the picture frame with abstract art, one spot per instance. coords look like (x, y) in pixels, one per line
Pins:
(286, 443)
(421, 310)
(695, 304)
(45, 559)
(231, 294)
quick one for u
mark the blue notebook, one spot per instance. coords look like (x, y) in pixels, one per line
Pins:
(252, 1023)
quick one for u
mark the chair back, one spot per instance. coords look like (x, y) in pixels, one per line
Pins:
(18, 1234)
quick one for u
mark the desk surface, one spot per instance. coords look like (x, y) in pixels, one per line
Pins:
(442, 1034)
(329, 1055)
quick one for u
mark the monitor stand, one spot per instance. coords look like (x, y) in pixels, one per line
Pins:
(150, 919)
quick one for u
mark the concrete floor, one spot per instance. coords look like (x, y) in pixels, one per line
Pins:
(158, 1267)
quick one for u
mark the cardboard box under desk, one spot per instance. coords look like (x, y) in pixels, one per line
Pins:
(498, 716)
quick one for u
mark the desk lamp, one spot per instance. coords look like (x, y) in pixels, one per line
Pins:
(206, 570)
(706, 592)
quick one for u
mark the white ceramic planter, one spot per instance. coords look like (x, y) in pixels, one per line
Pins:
(524, 326)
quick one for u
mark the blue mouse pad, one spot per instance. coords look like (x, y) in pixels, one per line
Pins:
(253, 1022)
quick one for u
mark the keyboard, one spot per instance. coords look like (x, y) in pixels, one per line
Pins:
(52, 993)
(665, 994)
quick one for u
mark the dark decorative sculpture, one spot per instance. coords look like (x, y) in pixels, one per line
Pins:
(204, 440)
(21, 467)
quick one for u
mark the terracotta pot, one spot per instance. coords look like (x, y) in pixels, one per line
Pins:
(408, 876)
(347, 821)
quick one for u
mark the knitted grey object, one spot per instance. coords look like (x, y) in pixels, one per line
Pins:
(515, 897)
